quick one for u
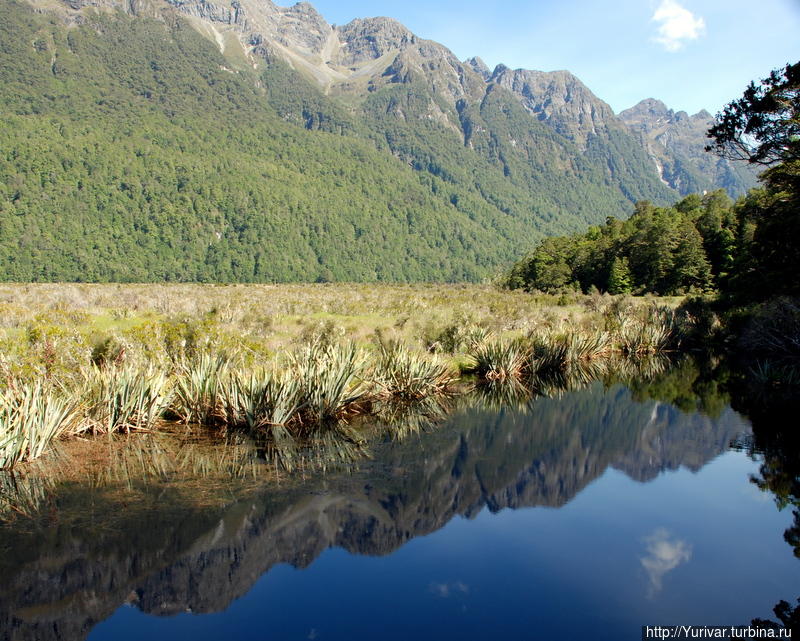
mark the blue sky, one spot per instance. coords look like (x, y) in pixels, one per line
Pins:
(692, 54)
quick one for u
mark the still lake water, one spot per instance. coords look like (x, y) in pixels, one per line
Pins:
(584, 516)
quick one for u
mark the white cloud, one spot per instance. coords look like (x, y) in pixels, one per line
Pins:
(676, 25)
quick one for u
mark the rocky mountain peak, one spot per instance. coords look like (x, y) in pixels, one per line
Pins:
(479, 67)
(299, 28)
(499, 70)
(648, 105)
(647, 115)
(370, 38)
(558, 98)
(305, 8)
(368, 54)
(303, 28)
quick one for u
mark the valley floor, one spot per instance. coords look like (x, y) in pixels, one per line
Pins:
(70, 320)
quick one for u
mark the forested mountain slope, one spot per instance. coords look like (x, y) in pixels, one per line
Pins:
(153, 140)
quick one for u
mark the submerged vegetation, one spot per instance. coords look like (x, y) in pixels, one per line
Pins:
(287, 365)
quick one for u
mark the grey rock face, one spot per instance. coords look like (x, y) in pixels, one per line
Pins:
(232, 15)
(301, 26)
(479, 67)
(558, 98)
(676, 142)
(647, 115)
(372, 38)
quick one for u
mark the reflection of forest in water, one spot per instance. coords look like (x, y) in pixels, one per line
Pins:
(776, 439)
(173, 547)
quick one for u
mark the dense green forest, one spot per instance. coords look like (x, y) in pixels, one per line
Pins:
(132, 152)
(665, 250)
(701, 244)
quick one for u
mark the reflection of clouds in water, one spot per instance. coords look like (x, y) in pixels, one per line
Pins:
(664, 553)
(444, 590)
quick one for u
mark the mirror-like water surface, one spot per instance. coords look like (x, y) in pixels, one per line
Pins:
(583, 516)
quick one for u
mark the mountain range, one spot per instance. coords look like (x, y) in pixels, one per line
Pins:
(243, 141)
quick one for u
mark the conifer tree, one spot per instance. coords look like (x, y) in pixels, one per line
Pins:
(619, 279)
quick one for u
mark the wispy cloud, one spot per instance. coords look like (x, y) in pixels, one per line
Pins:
(676, 25)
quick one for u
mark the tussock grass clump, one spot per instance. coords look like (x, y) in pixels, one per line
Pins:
(549, 352)
(655, 331)
(263, 400)
(30, 418)
(558, 351)
(122, 399)
(199, 391)
(331, 378)
(584, 346)
(403, 374)
(131, 355)
(499, 360)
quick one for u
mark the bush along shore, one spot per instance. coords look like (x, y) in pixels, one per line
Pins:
(63, 378)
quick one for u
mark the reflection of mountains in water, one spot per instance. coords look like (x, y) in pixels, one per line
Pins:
(169, 559)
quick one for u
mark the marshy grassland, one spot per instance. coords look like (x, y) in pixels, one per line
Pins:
(285, 364)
